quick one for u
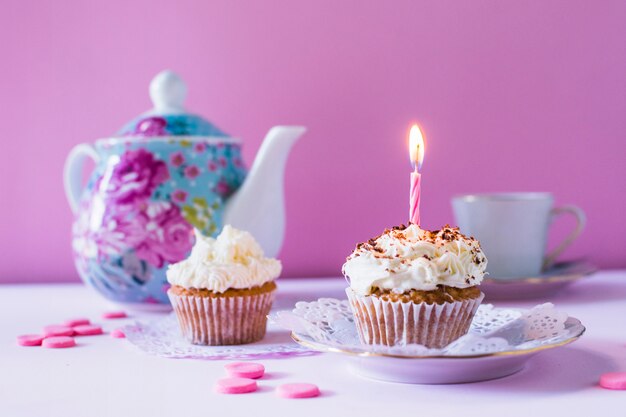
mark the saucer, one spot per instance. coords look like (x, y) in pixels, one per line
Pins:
(439, 369)
(546, 284)
(499, 342)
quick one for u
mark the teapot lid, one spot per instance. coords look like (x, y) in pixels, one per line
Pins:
(168, 117)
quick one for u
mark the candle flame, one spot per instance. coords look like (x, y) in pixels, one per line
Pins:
(416, 146)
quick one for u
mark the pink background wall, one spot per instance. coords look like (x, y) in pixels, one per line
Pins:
(512, 96)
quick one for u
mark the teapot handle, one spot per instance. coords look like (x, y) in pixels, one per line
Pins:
(72, 172)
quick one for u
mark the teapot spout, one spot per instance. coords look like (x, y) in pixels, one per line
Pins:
(259, 204)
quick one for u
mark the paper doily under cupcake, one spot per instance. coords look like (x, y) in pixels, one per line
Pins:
(499, 343)
(163, 337)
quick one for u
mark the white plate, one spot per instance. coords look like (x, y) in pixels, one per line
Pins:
(438, 369)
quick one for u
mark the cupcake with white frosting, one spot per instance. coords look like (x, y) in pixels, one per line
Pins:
(224, 290)
(410, 285)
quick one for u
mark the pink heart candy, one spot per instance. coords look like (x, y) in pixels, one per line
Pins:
(88, 330)
(77, 322)
(613, 380)
(30, 340)
(118, 334)
(114, 315)
(235, 385)
(245, 369)
(299, 390)
(56, 330)
(58, 342)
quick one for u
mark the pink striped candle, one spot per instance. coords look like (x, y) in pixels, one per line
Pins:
(414, 213)
(416, 150)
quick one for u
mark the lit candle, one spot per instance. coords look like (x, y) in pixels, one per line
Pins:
(416, 150)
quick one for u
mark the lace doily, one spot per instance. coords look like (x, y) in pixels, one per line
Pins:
(330, 322)
(163, 338)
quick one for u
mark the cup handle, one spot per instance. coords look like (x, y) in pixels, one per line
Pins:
(72, 172)
(581, 219)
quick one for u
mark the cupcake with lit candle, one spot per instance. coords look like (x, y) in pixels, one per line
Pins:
(224, 290)
(413, 286)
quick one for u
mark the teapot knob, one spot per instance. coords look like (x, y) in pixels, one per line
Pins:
(168, 92)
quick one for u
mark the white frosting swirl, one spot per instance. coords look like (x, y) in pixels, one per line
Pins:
(233, 260)
(404, 259)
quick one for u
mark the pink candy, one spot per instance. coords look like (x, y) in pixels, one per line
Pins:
(58, 342)
(59, 336)
(235, 385)
(298, 391)
(245, 370)
(118, 334)
(241, 382)
(87, 330)
(613, 380)
(77, 322)
(114, 315)
(29, 340)
(54, 330)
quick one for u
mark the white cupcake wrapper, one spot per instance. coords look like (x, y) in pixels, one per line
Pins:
(397, 323)
(222, 320)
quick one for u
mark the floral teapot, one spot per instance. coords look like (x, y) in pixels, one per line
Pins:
(163, 174)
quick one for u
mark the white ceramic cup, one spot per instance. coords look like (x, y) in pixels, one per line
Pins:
(513, 228)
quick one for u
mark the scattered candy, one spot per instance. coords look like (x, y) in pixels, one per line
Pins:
(235, 385)
(88, 330)
(297, 391)
(245, 369)
(613, 380)
(77, 322)
(55, 330)
(58, 342)
(29, 340)
(118, 334)
(114, 315)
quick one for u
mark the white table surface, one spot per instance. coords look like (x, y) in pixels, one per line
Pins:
(109, 377)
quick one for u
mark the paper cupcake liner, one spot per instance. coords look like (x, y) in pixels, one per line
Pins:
(222, 320)
(394, 323)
